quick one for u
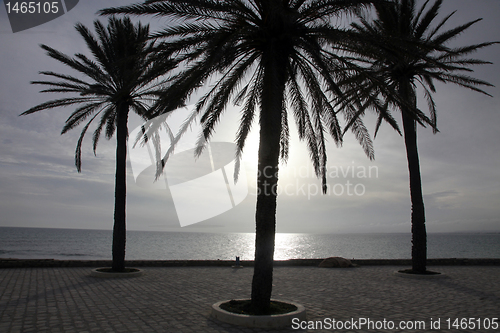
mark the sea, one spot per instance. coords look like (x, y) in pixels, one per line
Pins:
(79, 244)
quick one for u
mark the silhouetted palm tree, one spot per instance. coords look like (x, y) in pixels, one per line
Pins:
(265, 55)
(405, 51)
(123, 75)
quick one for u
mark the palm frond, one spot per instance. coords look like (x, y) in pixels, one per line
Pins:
(79, 115)
(78, 151)
(403, 45)
(106, 114)
(54, 104)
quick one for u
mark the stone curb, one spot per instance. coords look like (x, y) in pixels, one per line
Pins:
(272, 321)
(421, 276)
(96, 273)
(32, 263)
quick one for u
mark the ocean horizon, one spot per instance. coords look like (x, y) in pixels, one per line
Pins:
(91, 244)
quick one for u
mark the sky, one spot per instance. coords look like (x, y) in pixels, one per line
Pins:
(40, 187)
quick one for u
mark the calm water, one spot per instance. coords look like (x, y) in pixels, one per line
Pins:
(24, 243)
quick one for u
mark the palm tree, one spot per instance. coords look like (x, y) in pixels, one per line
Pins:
(267, 55)
(123, 75)
(404, 51)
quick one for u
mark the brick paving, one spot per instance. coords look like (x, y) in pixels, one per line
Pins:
(178, 299)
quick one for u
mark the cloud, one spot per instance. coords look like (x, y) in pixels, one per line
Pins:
(39, 185)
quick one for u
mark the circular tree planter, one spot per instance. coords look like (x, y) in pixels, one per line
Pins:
(266, 321)
(106, 272)
(430, 275)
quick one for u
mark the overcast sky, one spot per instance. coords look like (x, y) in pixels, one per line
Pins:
(40, 187)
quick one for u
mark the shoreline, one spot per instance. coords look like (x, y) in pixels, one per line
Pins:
(36, 263)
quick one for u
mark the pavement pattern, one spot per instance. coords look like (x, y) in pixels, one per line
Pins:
(178, 299)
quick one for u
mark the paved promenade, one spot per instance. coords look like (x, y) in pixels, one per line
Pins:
(178, 299)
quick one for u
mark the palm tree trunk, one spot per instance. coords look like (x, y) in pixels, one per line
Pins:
(119, 229)
(419, 234)
(267, 181)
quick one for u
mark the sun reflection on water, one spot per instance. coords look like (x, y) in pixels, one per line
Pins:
(287, 246)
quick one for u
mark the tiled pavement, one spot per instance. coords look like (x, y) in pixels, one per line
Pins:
(178, 299)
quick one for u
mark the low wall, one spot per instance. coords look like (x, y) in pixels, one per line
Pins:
(13, 263)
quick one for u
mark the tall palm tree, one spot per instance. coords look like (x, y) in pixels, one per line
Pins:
(405, 50)
(267, 55)
(123, 76)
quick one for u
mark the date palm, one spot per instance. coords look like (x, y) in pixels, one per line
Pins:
(123, 76)
(405, 50)
(268, 56)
